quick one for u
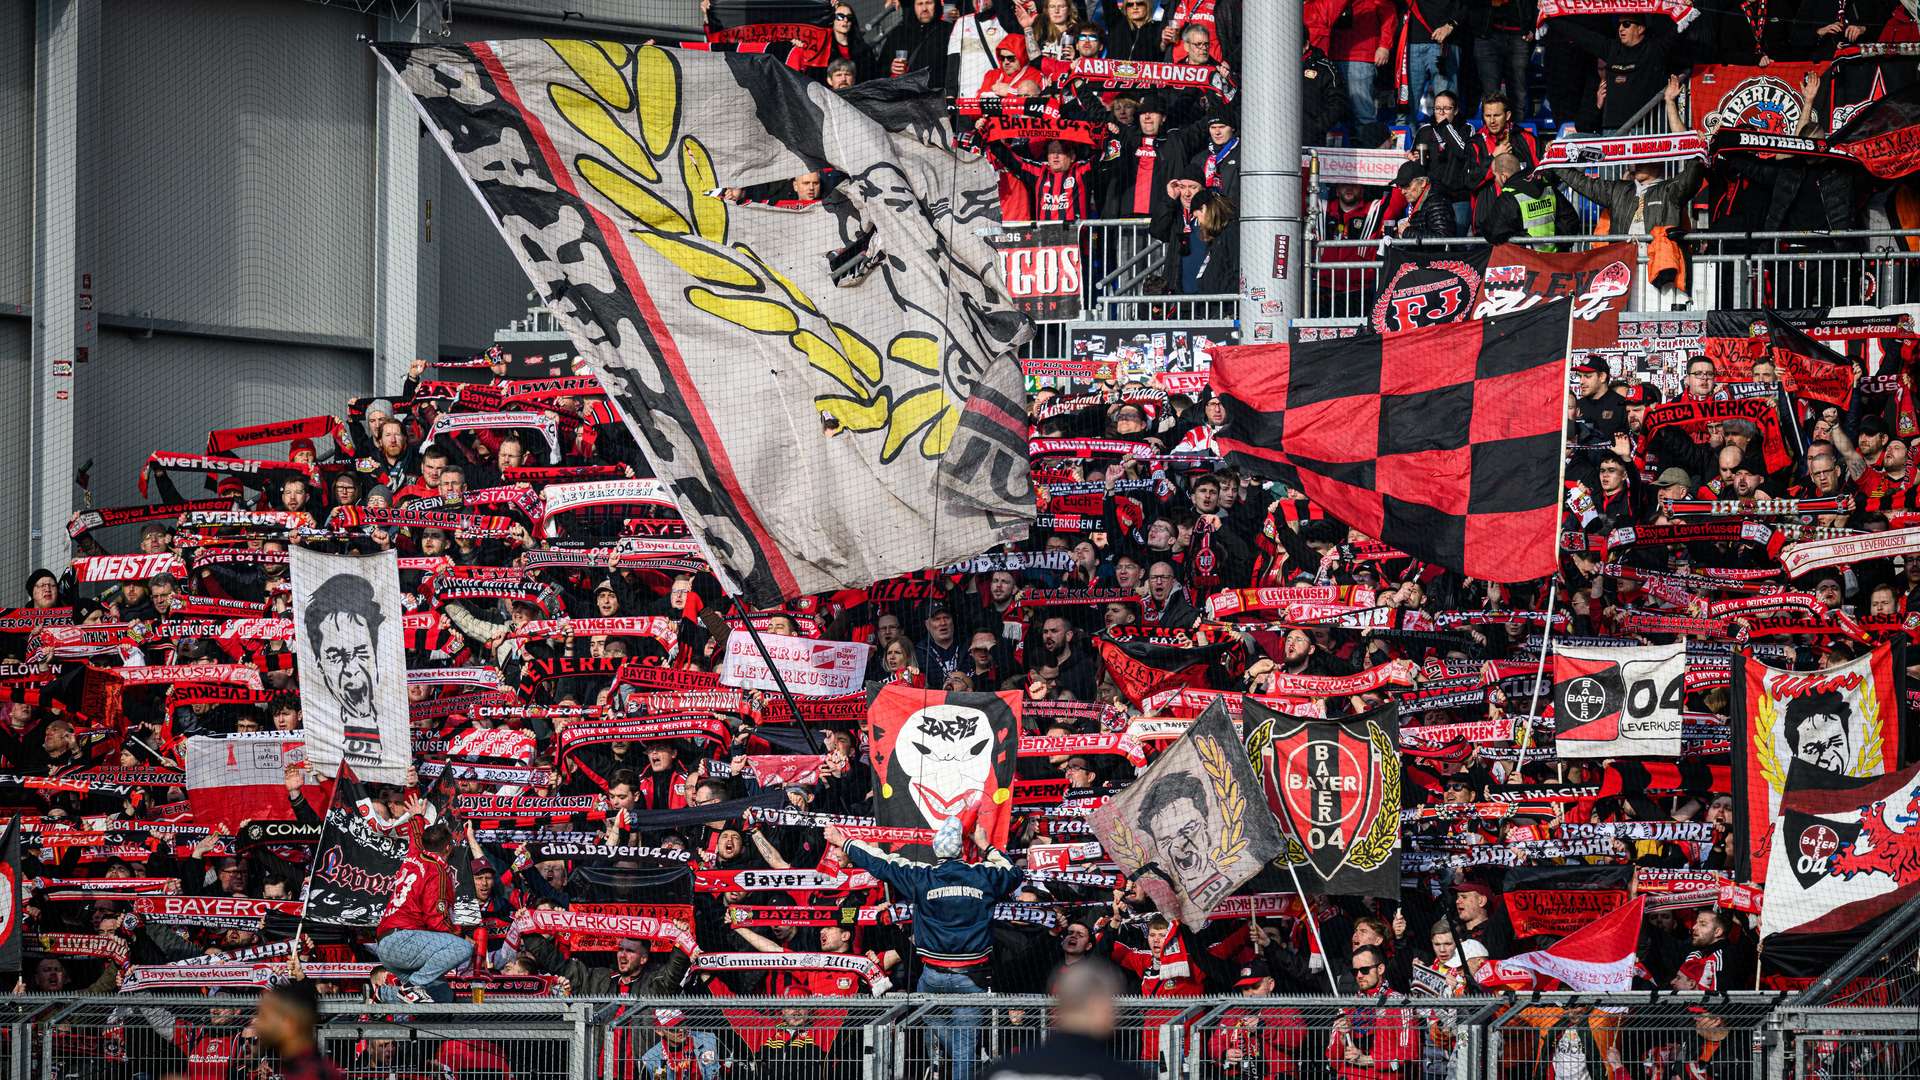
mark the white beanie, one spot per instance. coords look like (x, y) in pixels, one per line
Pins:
(946, 839)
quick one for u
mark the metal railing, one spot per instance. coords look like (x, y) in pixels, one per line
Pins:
(1663, 1036)
(1810, 1043)
(1725, 270)
(1651, 1035)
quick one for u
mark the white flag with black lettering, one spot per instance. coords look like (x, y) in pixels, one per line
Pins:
(1627, 702)
(353, 664)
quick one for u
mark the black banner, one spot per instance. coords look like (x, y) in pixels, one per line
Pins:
(1041, 264)
(353, 870)
(1335, 785)
(1422, 288)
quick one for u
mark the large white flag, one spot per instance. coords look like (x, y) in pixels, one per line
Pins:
(830, 385)
(353, 664)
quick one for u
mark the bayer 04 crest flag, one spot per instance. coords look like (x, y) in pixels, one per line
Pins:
(1335, 786)
(1194, 827)
(829, 386)
(1842, 720)
(939, 755)
(348, 625)
(1611, 703)
(1846, 852)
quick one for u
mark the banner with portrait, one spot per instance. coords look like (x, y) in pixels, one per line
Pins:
(1193, 828)
(348, 638)
(1843, 721)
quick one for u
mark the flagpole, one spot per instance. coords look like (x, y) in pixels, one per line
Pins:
(1313, 927)
(1540, 669)
(1553, 580)
(779, 680)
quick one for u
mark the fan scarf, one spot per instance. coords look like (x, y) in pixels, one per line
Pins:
(232, 976)
(582, 927)
(106, 517)
(541, 851)
(1812, 555)
(224, 465)
(856, 828)
(726, 881)
(868, 971)
(1108, 743)
(560, 499)
(1681, 12)
(546, 425)
(1132, 74)
(658, 627)
(476, 526)
(312, 427)
(605, 732)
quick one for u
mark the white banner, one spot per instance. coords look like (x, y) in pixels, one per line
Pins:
(1612, 703)
(353, 664)
(810, 667)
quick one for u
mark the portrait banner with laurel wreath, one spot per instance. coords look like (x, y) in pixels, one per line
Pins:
(829, 386)
(1840, 722)
(1335, 786)
(1193, 828)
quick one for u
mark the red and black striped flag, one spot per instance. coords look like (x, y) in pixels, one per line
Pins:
(1443, 442)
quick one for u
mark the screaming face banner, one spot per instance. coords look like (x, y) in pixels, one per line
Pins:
(1193, 828)
(347, 616)
(1335, 786)
(1838, 722)
(1611, 703)
(938, 755)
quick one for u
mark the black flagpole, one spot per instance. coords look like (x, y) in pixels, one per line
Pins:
(813, 743)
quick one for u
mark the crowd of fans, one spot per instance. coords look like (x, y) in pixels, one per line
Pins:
(1169, 526)
(1472, 93)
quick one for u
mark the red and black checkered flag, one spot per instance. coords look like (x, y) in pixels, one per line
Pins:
(1443, 442)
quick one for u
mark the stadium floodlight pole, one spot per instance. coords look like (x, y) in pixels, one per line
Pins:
(779, 680)
(1272, 253)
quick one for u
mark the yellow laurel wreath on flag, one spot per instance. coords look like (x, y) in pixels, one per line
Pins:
(1233, 841)
(642, 85)
(1869, 761)
(1766, 718)
(1377, 846)
(1124, 846)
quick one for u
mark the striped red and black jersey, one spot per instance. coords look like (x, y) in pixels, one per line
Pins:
(1056, 195)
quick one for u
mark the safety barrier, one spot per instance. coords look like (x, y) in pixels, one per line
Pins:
(1725, 270)
(1644, 1036)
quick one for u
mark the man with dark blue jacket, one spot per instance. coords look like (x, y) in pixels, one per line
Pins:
(952, 920)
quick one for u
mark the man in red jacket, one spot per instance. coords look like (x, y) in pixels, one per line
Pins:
(417, 942)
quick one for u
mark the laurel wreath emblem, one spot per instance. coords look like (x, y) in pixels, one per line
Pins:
(636, 92)
(1233, 841)
(1383, 836)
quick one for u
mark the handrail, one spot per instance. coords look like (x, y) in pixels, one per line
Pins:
(1655, 102)
(1596, 238)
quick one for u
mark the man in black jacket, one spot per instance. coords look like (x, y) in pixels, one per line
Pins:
(1636, 59)
(1083, 1023)
(1428, 214)
(1524, 206)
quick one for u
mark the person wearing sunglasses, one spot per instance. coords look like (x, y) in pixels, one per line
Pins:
(1135, 34)
(1373, 1043)
(848, 44)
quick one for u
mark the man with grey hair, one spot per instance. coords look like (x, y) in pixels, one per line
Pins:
(1083, 1022)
